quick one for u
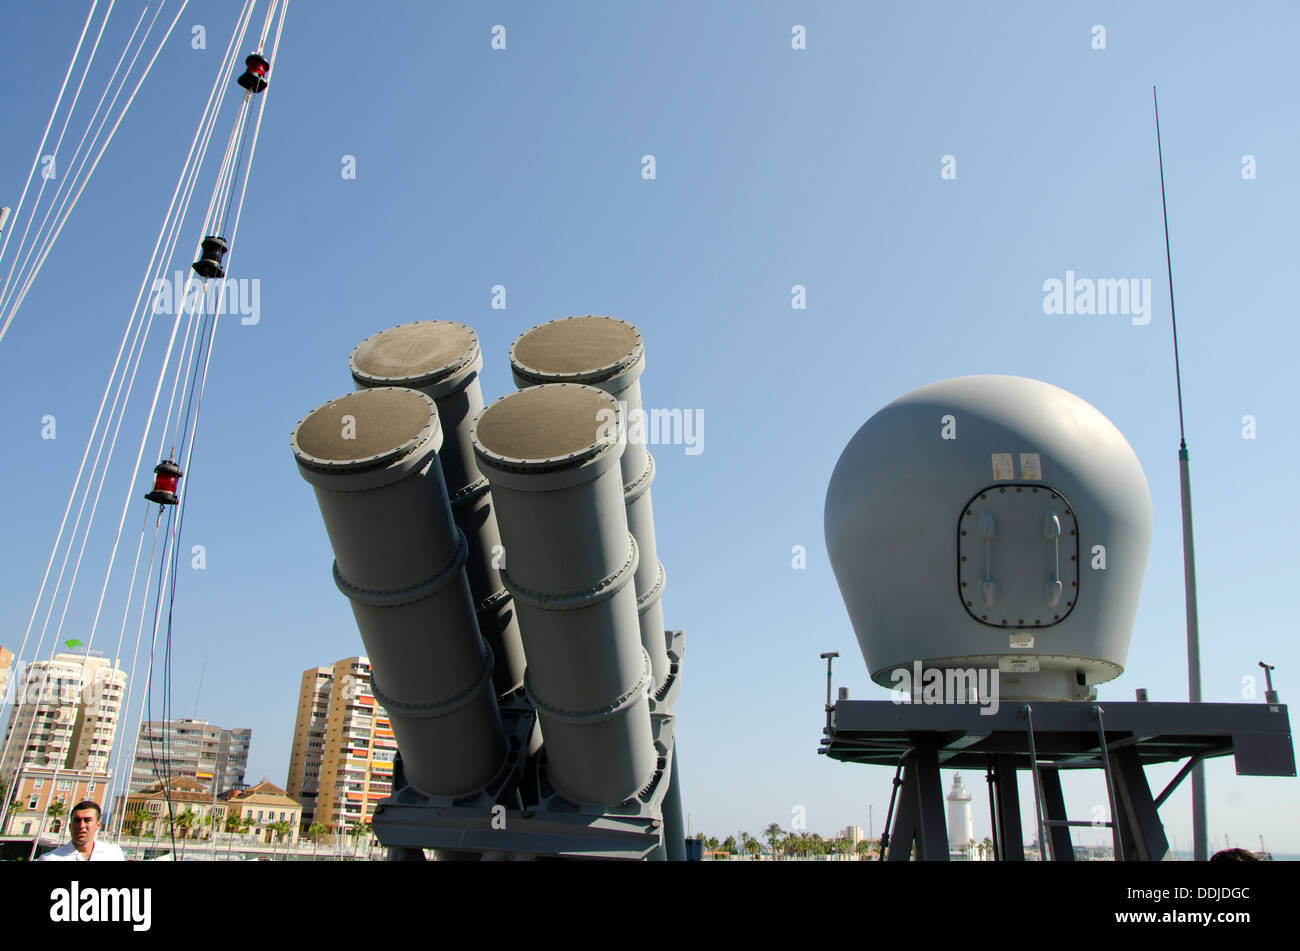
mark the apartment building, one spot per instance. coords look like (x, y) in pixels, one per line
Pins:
(64, 715)
(309, 738)
(344, 742)
(6, 666)
(193, 749)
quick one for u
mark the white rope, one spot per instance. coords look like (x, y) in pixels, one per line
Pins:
(115, 757)
(266, 27)
(85, 71)
(64, 220)
(206, 127)
(184, 188)
(145, 282)
(202, 384)
(45, 135)
(78, 161)
(140, 454)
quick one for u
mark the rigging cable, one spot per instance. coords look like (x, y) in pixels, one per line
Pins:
(18, 299)
(48, 125)
(74, 177)
(193, 162)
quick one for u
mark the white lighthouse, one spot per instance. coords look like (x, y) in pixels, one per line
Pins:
(961, 832)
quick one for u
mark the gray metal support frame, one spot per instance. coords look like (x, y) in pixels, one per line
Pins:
(931, 827)
(1054, 806)
(674, 827)
(904, 832)
(1067, 735)
(919, 818)
(1138, 806)
(1012, 846)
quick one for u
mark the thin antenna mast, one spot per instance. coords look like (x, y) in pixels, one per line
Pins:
(202, 670)
(1200, 850)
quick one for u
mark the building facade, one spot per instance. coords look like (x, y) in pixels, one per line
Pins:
(261, 807)
(37, 788)
(6, 667)
(65, 715)
(344, 741)
(194, 749)
(190, 810)
(309, 738)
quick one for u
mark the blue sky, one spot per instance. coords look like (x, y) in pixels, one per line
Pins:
(774, 167)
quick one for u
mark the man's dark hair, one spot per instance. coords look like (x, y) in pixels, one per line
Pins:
(88, 804)
(1234, 855)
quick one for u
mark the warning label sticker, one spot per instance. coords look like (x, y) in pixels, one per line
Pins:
(1003, 467)
(1031, 467)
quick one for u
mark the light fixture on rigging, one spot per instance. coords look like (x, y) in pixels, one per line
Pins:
(167, 475)
(210, 263)
(254, 76)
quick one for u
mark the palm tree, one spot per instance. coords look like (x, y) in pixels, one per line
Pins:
(55, 811)
(748, 844)
(863, 849)
(14, 807)
(314, 832)
(234, 822)
(773, 833)
(354, 833)
(186, 821)
(986, 847)
(278, 829)
(134, 821)
(248, 823)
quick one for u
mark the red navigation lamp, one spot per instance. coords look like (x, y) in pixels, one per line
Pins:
(210, 264)
(256, 68)
(166, 477)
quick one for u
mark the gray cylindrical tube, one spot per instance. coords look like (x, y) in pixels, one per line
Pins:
(371, 458)
(552, 455)
(442, 359)
(608, 353)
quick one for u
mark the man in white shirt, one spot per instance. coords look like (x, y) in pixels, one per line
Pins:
(83, 847)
